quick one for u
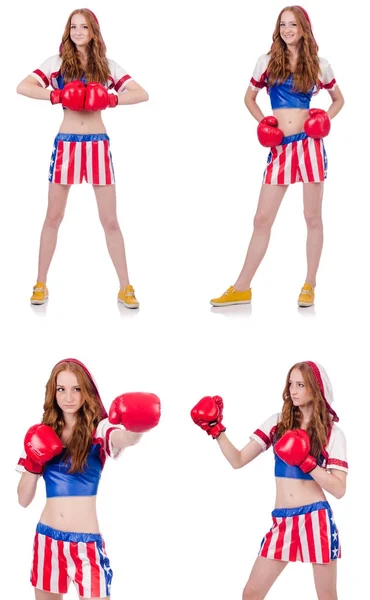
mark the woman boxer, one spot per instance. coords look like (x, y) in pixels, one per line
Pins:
(69, 449)
(80, 77)
(310, 458)
(291, 72)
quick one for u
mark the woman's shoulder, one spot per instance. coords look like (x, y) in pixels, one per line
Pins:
(55, 60)
(336, 431)
(263, 60)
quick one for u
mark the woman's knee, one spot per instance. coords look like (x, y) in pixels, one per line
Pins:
(263, 220)
(54, 218)
(110, 224)
(251, 593)
(313, 220)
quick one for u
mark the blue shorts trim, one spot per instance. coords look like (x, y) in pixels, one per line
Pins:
(68, 536)
(296, 137)
(77, 137)
(301, 510)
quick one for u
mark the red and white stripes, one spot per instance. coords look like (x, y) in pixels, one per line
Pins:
(310, 537)
(57, 562)
(74, 160)
(303, 160)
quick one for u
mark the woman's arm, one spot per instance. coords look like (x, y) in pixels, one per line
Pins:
(251, 104)
(27, 488)
(122, 438)
(333, 482)
(337, 103)
(133, 94)
(31, 88)
(238, 458)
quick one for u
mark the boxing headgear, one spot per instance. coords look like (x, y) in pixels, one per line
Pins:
(324, 384)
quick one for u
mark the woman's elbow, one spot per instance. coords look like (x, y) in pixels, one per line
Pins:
(145, 96)
(340, 493)
(19, 88)
(24, 502)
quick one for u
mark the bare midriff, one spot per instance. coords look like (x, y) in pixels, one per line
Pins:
(82, 122)
(291, 120)
(291, 493)
(72, 513)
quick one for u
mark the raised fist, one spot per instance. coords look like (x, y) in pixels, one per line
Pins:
(41, 444)
(136, 411)
(207, 414)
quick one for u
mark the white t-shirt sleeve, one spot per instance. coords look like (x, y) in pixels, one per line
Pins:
(48, 70)
(259, 77)
(103, 437)
(264, 435)
(326, 76)
(337, 450)
(119, 78)
(20, 465)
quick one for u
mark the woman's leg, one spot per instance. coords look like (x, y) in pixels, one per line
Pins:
(268, 206)
(325, 577)
(57, 201)
(106, 201)
(41, 595)
(264, 573)
(312, 203)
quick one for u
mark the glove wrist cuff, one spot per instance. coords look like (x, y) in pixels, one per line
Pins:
(32, 467)
(216, 430)
(113, 100)
(308, 464)
(55, 97)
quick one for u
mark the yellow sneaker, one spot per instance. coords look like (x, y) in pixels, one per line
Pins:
(127, 297)
(233, 296)
(40, 293)
(307, 296)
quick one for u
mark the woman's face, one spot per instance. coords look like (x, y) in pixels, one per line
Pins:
(290, 32)
(299, 392)
(79, 32)
(68, 393)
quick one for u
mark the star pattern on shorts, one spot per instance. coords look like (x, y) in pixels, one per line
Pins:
(335, 552)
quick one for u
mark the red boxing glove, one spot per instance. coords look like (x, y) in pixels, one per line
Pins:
(72, 96)
(98, 98)
(136, 411)
(207, 414)
(268, 133)
(318, 123)
(41, 444)
(294, 447)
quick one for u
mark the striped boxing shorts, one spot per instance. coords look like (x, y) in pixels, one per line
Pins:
(60, 557)
(307, 533)
(77, 157)
(297, 158)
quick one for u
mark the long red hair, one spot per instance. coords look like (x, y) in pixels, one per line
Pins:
(306, 72)
(87, 418)
(291, 416)
(97, 68)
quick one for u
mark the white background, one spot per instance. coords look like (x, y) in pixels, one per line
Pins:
(178, 521)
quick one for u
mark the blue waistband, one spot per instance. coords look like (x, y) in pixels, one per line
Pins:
(77, 137)
(294, 138)
(300, 510)
(67, 536)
